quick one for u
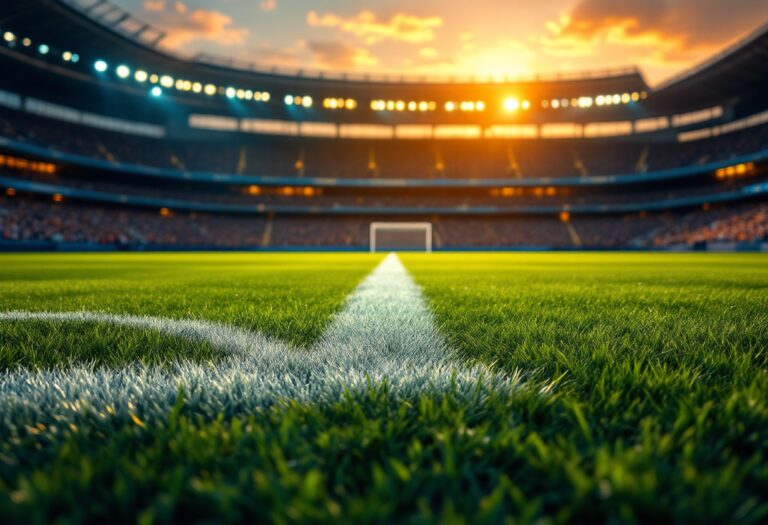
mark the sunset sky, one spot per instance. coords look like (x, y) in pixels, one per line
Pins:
(456, 37)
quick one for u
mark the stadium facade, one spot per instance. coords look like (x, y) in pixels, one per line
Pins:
(108, 141)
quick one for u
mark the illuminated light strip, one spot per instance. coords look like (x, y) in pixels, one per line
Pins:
(403, 105)
(340, 103)
(140, 76)
(17, 163)
(757, 119)
(736, 170)
(384, 333)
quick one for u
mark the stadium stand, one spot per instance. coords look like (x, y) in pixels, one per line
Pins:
(35, 220)
(128, 146)
(421, 159)
(745, 224)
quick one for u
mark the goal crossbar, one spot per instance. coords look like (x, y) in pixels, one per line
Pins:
(410, 227)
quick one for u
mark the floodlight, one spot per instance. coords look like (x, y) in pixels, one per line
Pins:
(100, 66)
(43, 49)
(156, 91)
(141, 76)
(511, 104)
(123, 71)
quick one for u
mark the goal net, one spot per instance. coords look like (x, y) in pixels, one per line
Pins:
(401, 236)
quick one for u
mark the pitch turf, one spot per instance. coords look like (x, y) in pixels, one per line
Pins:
(637, 389)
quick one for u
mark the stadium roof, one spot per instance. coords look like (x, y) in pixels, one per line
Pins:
(723, 76)
(98, 24)
(97, 27)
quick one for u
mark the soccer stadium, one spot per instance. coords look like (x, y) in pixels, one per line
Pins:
(308, 282)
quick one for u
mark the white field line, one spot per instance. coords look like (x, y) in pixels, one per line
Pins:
(385, 332)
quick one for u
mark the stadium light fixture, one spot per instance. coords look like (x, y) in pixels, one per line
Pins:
(307, 102)
(123, 71)
(450, 106)
(166, 81)
(210, 90)
(66, 56)
(9, 37)
(511, 104)
(75, 58)
(231, 92)
(100, 66)
(26, 42)
(43, 49)
(141, 76)
(156, 91)
(288, 100)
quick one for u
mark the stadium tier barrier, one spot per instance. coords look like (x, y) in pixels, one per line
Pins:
(746, 192)
(75, 247)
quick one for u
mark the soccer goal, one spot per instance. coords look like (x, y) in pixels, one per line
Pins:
(401, 236)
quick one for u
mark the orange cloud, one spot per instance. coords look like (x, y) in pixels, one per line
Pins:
(183, 25)
(659, 31)
(154, 6)
(336, 54)
(366, 25)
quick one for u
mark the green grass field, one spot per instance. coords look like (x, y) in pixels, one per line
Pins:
(635, 390)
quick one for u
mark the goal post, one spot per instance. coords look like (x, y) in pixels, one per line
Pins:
(401, 236)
